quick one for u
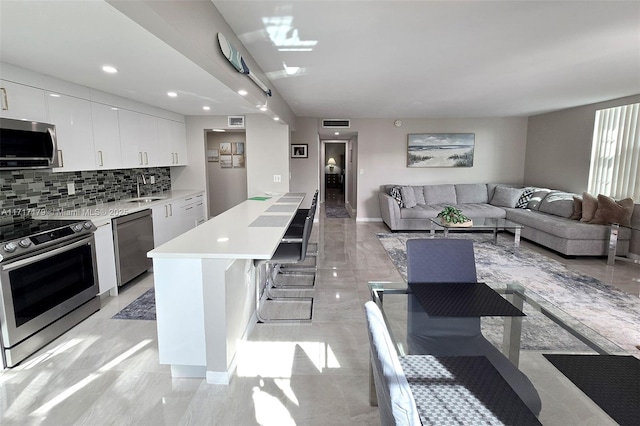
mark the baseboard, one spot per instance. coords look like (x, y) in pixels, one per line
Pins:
(368, 219)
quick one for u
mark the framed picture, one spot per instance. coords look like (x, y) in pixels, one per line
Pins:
(238, 161)
(440, 149)
(225, 161)
(225, 148)
(235, 121)
(238, 148)
(213, 155)
(299, 151)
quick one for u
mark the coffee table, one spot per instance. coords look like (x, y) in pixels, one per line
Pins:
(523, 340)
(481, 224)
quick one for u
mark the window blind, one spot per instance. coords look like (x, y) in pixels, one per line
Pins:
(615, 153)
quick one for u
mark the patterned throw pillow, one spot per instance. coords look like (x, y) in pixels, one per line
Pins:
(396, 194)
(524, 198)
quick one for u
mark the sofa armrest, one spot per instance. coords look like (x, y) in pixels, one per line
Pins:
(389, 210)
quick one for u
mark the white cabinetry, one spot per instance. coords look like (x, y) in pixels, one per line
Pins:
(177, 217)
(106, 260)
(106, 136)
(172, 143)
(74, 130)
(138, 139)
(22, 102)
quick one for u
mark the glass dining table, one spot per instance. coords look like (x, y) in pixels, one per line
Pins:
(523, 339)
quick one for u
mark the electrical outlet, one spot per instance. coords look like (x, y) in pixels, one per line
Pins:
(361, 171)
(152, 179)
(277, 178)
(71, 188)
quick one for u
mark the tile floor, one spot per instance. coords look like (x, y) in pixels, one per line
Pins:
(106, 371)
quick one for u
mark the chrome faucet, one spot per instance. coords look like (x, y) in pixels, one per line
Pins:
(144, 182)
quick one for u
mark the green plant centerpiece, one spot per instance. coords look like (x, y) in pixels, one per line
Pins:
(452, 216)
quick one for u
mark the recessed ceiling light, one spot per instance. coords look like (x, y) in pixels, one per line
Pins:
(206, 108)
(336, 133)
(242, 92)
(222, 239)
(276, 118)
(263, 108)
(172, 94)
(109, 69)
(54, 95)
(114, 108)
(218, 130)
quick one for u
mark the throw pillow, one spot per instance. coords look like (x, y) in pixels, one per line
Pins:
(505, 196)
(408, 197)
(577, 208)
(396, 194)
(557, 203)
(589, 207)
(524, 198)
(538, 195)
(612, 211)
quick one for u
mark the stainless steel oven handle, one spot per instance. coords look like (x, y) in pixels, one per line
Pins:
(42, 256)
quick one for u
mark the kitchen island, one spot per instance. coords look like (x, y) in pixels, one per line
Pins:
(205, 285)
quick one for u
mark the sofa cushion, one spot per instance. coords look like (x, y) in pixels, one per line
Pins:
(396, 193)
(537, 197)
(471, 210)
(505, 196)
(408, 196)
(577, 208)
(558, 203)
(471, 193)
(440, 194)
(589, 207)
(419, 193)
(611, 211)
(525, 197)
(561, 227)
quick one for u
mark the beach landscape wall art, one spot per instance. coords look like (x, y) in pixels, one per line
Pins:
(440, 149)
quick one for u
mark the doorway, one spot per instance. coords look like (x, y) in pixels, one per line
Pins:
(335, 172)
(226, 171)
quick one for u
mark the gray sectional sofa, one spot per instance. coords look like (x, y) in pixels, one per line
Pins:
(544, 213)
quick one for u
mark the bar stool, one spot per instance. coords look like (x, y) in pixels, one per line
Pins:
(286, 253)
(300, 270)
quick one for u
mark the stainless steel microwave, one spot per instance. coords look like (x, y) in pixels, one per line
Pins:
(27, 145)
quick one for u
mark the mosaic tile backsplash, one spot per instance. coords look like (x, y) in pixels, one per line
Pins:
(24, 191)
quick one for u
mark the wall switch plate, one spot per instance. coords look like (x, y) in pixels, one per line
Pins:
(277, 178)
(361, 171)
(71, 188)
(152, 179)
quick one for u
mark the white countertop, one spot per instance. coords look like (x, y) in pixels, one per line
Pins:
(102, 213)
(229, 236)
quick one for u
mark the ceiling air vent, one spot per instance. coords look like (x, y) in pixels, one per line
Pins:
(336, 124)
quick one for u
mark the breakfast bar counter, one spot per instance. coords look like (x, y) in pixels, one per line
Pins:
(205, 285)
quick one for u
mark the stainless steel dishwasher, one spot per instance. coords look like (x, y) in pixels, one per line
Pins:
(132, 238)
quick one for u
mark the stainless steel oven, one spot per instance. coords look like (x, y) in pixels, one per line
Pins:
(48, 284)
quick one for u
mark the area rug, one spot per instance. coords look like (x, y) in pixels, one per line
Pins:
(594, 304)
(612, 382)
(336, 212)
(143, 308)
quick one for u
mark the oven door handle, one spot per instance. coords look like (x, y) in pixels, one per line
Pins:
(20, 263)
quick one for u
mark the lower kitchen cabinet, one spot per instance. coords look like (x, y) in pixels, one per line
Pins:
(106, 260)
(177, 217)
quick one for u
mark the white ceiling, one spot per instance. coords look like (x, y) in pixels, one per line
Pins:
(371, 59)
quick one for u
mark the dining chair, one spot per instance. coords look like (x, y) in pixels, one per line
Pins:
(453, 261)
(395, 400)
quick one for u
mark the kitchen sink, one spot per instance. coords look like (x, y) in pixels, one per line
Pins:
(145, 199)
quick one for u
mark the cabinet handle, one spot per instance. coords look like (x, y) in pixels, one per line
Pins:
(170, 209)
(5, 99)
(189, 208)
(140, 155)
(177, 161)
(146, 158)
(61, 158)
(187, 199)
(166, 210)
(101, 159)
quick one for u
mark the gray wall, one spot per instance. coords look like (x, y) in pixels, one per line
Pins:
(305, 172)
(559, 146)
(559, 151)
(500, 145)
(228, 186)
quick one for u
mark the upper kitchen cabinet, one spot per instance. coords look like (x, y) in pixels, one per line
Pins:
(172, 142)
(106, 136)
(138, 139)
(22, 102)
(74, 131)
